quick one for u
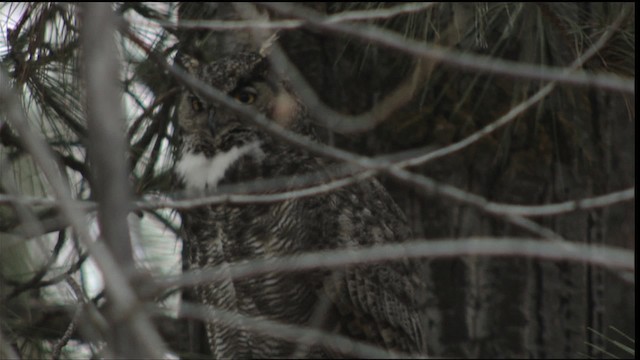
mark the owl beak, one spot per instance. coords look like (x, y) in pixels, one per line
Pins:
(211, 120)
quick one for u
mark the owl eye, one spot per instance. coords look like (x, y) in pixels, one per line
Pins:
(196, 105)
(246, 95)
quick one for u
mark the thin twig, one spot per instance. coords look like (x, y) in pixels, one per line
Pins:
(606, 256)
(383, 13)
(235, 194)
(345, 16)
(564, 207)
(62, 342)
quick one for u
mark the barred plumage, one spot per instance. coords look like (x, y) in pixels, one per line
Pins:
(379, 303)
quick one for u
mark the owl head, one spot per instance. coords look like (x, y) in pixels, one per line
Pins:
(247, 78)
(220, 146)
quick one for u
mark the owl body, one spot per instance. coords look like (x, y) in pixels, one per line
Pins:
(379, 304)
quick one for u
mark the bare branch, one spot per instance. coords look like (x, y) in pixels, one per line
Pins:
(240, 198)
(62, 342)
(383, 13)
(119, 290)
(606, 256)
(236, 194)
(106, 146)
(106, 149)
(294, 333)
(345, 16)
(566, 206)
(463, 61)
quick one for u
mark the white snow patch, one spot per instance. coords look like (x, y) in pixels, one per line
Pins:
(199, 171)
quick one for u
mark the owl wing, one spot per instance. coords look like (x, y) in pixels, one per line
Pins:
(375, 304)
(379, 303)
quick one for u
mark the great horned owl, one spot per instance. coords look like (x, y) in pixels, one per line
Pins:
(378, 304)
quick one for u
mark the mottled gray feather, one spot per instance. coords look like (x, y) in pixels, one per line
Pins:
(379, 304)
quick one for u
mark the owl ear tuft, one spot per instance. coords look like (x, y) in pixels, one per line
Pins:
(267, 45)
(189, 62)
